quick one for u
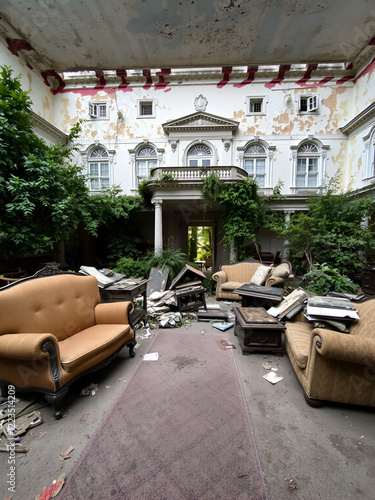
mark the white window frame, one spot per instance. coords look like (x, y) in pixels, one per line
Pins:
(100, 161)
(96, 108)
(202, 160)
(268, 155)
(146, 102)
(151, 161)
(369, 157)
(311, 171)
(250, 100)
(312, 103)
(320, 154)
(255, 158)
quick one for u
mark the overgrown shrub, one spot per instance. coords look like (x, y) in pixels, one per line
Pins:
(323, 278)
(332, 229)
(131, 268)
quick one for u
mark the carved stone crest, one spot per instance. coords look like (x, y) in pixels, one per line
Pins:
(200, 103)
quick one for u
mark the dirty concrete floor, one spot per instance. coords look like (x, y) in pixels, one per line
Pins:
(307, 453)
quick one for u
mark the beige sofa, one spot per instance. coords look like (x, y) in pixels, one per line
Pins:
(232, 276)
(335, 366)
(54, 329)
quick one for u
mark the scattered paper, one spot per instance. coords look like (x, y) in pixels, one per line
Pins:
(151, 356)
(272, 377)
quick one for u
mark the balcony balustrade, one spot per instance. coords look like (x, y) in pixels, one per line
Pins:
(196, 175)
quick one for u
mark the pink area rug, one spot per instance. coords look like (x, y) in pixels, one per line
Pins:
(179, 430)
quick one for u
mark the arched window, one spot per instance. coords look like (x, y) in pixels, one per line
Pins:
(98, 169)
(307, 173)
(369, 160)
(146, 159)
(255, 157)
(199, 155)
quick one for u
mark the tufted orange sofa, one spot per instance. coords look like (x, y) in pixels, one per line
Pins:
(335, 366)
(232, 276)
(54, 329)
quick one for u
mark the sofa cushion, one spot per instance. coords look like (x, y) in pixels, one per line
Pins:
(229, 286)
(242, 271)
(96, 342)
(298, 336)
(260, 275)
(280, 271)
(61, 305)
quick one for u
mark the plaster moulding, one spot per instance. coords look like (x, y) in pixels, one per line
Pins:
(200, 121)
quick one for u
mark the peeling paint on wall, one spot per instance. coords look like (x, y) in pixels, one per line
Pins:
(286, 124)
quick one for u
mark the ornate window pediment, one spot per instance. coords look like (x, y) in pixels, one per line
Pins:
(200, 121)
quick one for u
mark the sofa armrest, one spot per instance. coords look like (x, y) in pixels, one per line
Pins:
(27, 346)
(344, 347)
(275, 281)
(220, 277)
(113, 313)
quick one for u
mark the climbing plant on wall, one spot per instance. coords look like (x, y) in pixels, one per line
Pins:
(243, 214)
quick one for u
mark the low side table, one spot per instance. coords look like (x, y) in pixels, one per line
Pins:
(259, 296)
(127, 290)
(258, 331)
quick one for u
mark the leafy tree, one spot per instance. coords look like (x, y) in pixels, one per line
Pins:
(117, 217)
(43, 195)
(243, 215)
(331, 230)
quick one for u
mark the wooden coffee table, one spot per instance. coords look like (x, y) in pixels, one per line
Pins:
(258, 331)
(259, 296)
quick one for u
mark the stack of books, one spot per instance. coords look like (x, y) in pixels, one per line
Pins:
(105, 278)
(330, 308)
(290, 305)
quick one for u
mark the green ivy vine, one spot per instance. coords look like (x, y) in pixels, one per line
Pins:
(244, 213)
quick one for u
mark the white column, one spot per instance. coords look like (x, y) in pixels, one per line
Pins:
(158, 238)
(286, 242)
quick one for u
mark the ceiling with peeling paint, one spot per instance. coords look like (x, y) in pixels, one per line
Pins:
(70, 35)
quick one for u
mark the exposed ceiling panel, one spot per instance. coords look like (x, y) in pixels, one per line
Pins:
(70, 35)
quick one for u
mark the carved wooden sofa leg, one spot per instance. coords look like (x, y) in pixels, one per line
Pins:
(314, 403)
(55, 400)
(131, 350)
(4, 390)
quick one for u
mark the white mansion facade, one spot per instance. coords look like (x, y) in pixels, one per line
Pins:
(288, 126)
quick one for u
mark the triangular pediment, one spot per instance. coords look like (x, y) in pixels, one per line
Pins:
(200, 121)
